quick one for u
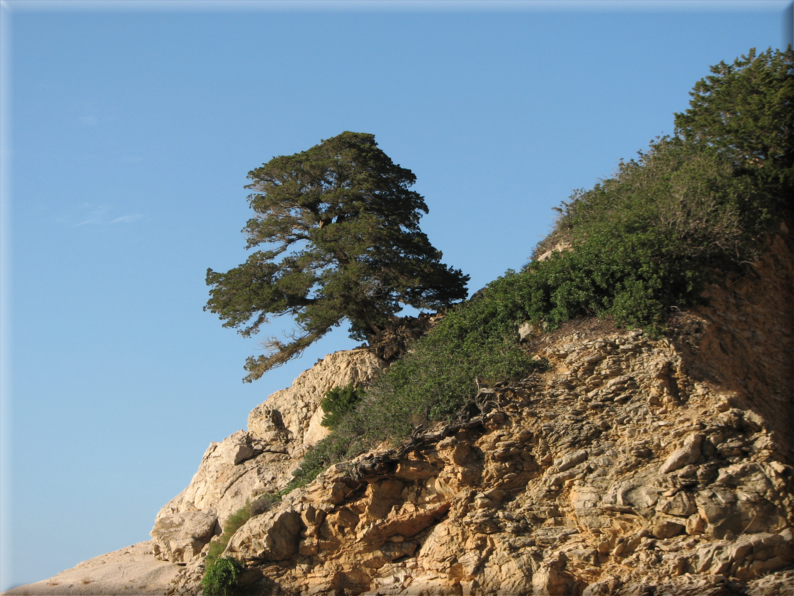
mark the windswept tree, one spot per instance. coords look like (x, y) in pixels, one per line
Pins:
(340, 241)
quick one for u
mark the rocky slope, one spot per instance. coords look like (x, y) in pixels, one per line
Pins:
(634, 466)
(251, 463)
(132, 571)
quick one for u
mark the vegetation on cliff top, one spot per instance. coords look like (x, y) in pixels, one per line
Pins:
(646, 240)
(639, 245)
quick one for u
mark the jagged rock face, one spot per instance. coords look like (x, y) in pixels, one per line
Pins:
(603, 475)
(634, 466)
(297, 407)
(260, 460)
(180, 537)
(231, 472)
(743, 341)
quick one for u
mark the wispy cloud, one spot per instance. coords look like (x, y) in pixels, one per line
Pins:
(127, 218)
(100, 215)
(94, 113)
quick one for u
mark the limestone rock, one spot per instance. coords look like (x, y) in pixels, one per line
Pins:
(180, 537)
(130, 570)
(232, 472)
(297, 404)
(689, 453)
(249, 463)
(272, 536)
(316, 432)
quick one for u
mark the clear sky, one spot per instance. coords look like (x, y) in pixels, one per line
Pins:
(128, 131)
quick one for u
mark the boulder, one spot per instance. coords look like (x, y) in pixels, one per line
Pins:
(272, 536)
(180, 537)
(688, 453)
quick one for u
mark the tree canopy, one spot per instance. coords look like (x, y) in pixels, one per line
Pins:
(340, 237)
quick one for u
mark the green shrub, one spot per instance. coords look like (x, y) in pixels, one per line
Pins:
(234, 523)
(646, 241)
(338, 401)
(221, 577)
(264, 503)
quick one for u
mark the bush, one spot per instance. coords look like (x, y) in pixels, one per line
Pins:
(221, 577)
(647, 240)
(264, 503)
(234, 523)
(338, 401)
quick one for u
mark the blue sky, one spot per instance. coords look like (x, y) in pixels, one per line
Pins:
(128, 131)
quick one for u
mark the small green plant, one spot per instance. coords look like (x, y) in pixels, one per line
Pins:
(234, 523)
(338, 401)
(264, 503)
(222, 576)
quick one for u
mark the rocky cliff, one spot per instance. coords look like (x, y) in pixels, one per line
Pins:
(633, 466)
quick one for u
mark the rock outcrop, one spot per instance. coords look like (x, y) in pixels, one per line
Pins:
(633, 466)
(609, 475)
(132, 570)
(258, 461)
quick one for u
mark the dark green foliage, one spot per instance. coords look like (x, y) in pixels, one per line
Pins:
(337, 402)
(476, 340)
(746, 111)
(221, 577)
(234, 523)
(340, 229)
(645, 241)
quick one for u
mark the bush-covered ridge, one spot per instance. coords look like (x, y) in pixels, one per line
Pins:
(646, 240)
(643, 243)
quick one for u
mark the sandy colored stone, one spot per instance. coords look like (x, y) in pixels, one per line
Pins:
(250, 463)
(688, 453)
(132, 571)
(315, 432)
(298, 404)
(272, 536)
(180, 537)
